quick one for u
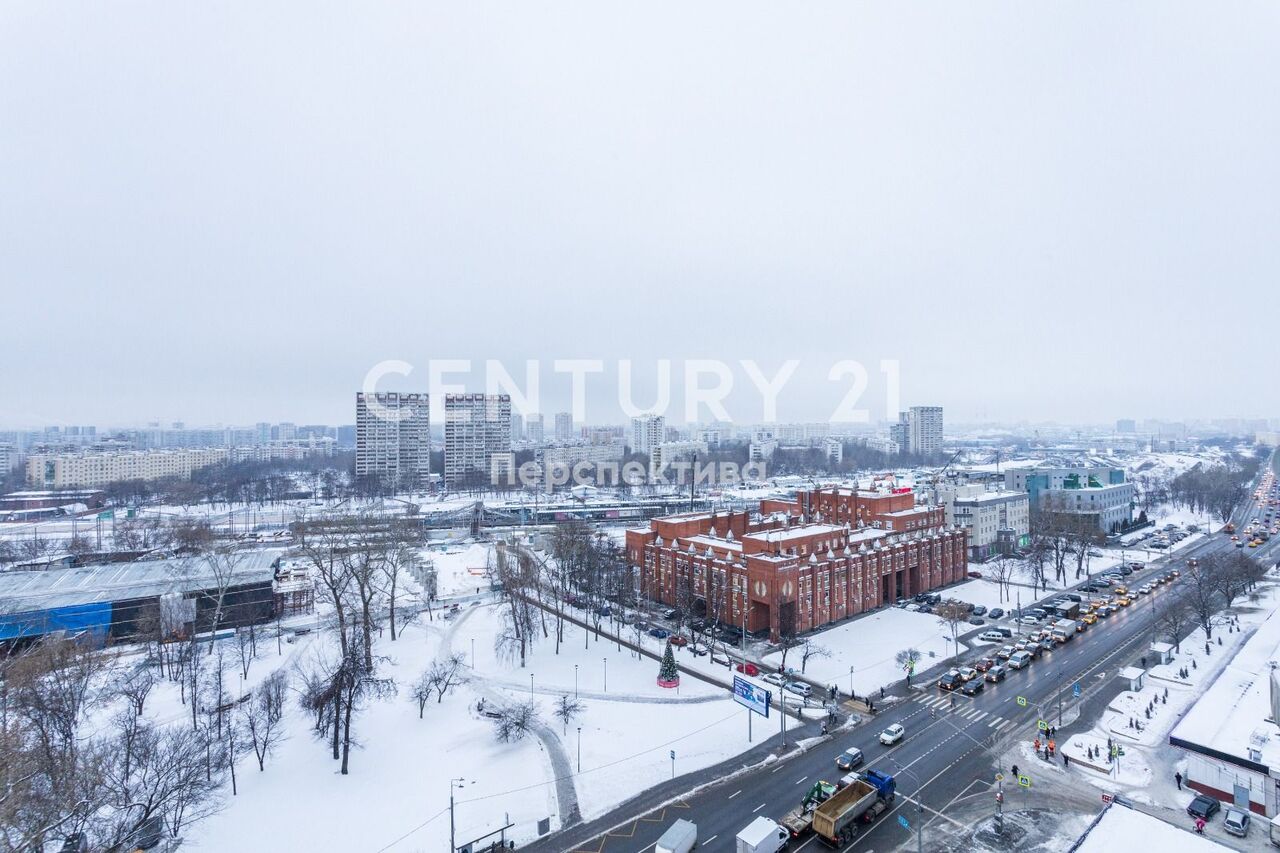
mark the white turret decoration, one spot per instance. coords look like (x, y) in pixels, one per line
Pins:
(658, 541)
(729, 536)
(692, 549)
(712, 532)
(813, 558)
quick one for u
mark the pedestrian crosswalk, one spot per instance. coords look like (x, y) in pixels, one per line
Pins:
(962, 709)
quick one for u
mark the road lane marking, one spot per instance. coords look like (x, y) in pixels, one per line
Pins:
(735, 793)
(758, 808)
(708, 841)
(801, 780)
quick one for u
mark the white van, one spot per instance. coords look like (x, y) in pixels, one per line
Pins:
(681, 837)
(1019, 659)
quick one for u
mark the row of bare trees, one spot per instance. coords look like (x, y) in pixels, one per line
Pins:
(1209, 586)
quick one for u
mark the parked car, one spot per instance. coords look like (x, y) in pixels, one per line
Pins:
(1074, 596)
(799, 688)
(775, 678)
(748, 668)
(991, 636)
(1029, 620)
(996, 613)
(893, 734)
(671, 613)
(979, 610)
(977, 620)
(849, 759)
(659, 633)
(678, 640)
(997, 673)
(1205, 807)
(973, 688)
(1236, 821)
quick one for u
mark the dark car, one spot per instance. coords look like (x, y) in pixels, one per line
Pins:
(996, 673)
(996, 612)
(849, 759)
(972, 687)
(984, 664)
(979, 610)
(659, 633)
(1205, 807)
(950, 680)
(924, 608)
(1072, 596)
(698, 625)
(604, 611)
(977, 620)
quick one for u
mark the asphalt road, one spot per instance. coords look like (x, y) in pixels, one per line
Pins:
(953, 744)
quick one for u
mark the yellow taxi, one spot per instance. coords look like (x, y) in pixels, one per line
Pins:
(1120, 589)
(1124, 601)
(1089, 618)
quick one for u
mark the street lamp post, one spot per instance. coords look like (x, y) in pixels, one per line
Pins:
(579, 749)
(606, 674)
(531, 687)
(453, 783)
(473, 653)
(850, 682)
(575, 682)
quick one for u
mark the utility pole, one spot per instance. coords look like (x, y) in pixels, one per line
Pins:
(1059, 698)
(782, 696)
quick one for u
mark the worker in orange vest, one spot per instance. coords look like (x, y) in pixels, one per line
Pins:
(1052, 746)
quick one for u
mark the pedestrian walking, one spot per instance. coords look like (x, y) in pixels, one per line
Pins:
(1200, 825)
(1177, 777)
(1052, 746)
(1015, 771)
(881, 692)
(1066, 760)
(1036, 744)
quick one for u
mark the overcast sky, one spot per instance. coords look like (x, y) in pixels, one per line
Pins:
(230, 212)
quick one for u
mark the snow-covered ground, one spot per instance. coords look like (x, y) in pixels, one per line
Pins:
(1122, 828)
(460, 569)
(865, 649)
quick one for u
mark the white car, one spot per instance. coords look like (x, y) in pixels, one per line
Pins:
(892, 735)
(799, 688)
(775, 678)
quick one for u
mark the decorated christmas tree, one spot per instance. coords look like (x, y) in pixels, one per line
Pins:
(668, 675)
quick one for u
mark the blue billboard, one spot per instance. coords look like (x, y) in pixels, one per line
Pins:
(751, 696)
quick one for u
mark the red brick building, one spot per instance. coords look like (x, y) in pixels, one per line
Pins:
(828, 555)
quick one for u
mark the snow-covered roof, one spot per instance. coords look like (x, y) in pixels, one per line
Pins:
(703, 541)
(799, 532)
(43, 590)
(1123, 828)
(1234, 714)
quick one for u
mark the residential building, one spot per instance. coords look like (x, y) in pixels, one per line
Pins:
(834, 448)
(924, 424)
(78, 469)
(477, 439)
(662, 456)
(767, 571)
(998, 521)
(882, 444)
(900, 434)
(535, 429)
(8, 459)
(1126, 426)
(517, 427)
(647, 431)
(564, 426)
(393, 439)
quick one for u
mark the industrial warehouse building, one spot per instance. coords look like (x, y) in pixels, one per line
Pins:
(117, 601)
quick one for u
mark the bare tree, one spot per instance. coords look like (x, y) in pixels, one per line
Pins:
(135, 685)
(1202, 596)
(567, 710)
(514, 721)
(952, 616)
(421, 692)
(906, 660)
(262, 717)
(786, 630)
(1174, 617)
(810, 649)
(1001, 571)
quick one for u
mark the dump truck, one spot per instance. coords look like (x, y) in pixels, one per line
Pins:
(799, 820)
(836, 820)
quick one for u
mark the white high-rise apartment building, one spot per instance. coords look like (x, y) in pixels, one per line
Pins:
(477, 439)
(924, 428)
(564, 426)
(647, 432)
(536, 430)
(393, 438)
(517, 427)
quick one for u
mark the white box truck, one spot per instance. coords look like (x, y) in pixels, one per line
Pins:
(763, 835)
(681, 837)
